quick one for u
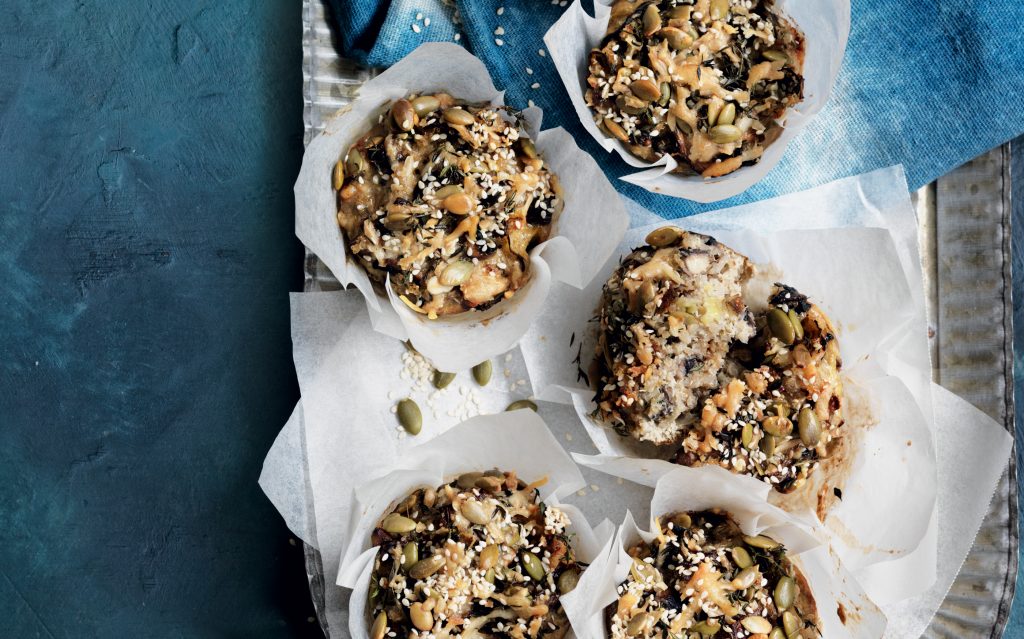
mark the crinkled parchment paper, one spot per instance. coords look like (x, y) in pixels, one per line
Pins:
(689, 489)
(825, 23)
(585, 233)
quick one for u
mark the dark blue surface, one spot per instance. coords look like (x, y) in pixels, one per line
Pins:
(147, 152)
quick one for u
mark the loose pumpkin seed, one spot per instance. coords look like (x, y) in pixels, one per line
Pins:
(568, 580)
(410, 417)
(458, 203)
(397, 524)
(748, 436)
(652, 19)
(613, 129)
(676, 38)
(456, 273)
(724, 134)
(458, 117)
(745, 578)
(791, 624)
(379, 627)
(757, 625)
(798, 326)
(465, 481)
(681, 12)
(404, 115)
(520, 404)
(682, 520)
(528, 147)
(760, 541)
(727, 114)
(489, 576)
(780, 326)
(482, 372)
(645, 89)
(533, 566)
(785, 592)
(742, 557)
(775, 55)
(338, 176)
(442, 379)
(719, 10)
(426, 567)
(445, 191)
(490, 484)
(778, 426)
(476, 512)
(776, 633)
(410, 554)
(354, 162)
(665, 236)
(421, 618)
(706, 628)
(810, 430)
(630, 104)
(425, 104)
(636, 624)
(768, 443)
(489, 557)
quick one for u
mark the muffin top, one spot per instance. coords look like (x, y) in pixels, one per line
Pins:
(702, 81)
(479, 556)
(445, 200)
(778, 410)
(701, 577)
(668, 316)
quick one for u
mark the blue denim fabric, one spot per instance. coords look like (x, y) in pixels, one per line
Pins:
(926, 84)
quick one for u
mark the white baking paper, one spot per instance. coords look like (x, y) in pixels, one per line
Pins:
(517, 441)
(589, 227)
(825, 23)
(689, 489)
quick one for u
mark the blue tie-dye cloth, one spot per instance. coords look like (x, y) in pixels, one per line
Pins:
(923, 85)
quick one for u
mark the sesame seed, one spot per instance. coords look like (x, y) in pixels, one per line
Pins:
(499, 31)
(499, 42)
(535, 85)
(501, 10)
(416, 28)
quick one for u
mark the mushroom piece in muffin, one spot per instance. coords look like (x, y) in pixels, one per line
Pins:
(668, 316)
(445, 200)
(778, 411)
(702, 577)
(480, 556)
(703, 81)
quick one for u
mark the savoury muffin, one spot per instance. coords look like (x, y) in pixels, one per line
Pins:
(778, 411)
(478, 557)
(701, 577)
(703, 81)
(445, 200)
(668, 316)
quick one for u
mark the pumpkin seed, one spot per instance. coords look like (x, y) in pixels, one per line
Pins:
(410, 554)
(379, 627)
(636, 624)
(426, 567)
(528, 147)
(404, 115)
(338, 176)
(768, 443)
(785, 592)
(706, 628)
(745, 578)
(466, 481)
(780, 326)
(775, 55)
(520, 404)
(781, 409)
(456, 273)
(630, 104)
(645, 89)
(666, 94)
(748, 436)
(458, 117)
(760, 541)
(421, 618)
(533, 566)
(757, 625)
(397, 524)
(482, 372)
(682, 520)
(742, 557)
(810, 431)
(476, 512)
(354, 162)
(665, 236)
(489, 576)
(489, 557)
(425, 104)
(410, 417)
(652, 19)
(445, 191)
(458, 203)
(778, 426)
(724, 134)
(681, 12)
(490, 484)
(441, 379)
(568, 580)
(727, 114)
(719, 10)
(791, 624)
(776, 633)
(613, 129)
(676, 38)
(798, 326)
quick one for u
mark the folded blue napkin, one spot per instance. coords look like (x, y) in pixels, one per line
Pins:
(928, 85)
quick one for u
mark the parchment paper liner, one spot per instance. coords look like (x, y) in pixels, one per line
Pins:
(518, 441)
(689, 489)
(585, 234)
(826, 25)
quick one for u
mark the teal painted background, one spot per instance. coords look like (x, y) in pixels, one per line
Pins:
(147, 153)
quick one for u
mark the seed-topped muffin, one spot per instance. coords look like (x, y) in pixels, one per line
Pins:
(702, 577)
(779, 408)
(478, 557)
(703, 81)
(668, 316)
(445, 200)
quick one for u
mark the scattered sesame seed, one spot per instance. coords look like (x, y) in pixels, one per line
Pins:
(416, 28)
(541, 53)
(535, 85)
(499, 31)
(501, 10)
(529, 71)
(499, 42)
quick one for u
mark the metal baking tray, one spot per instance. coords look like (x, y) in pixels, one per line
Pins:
(965, 248)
